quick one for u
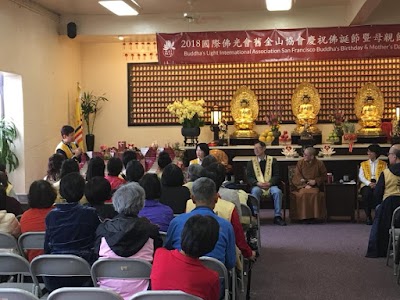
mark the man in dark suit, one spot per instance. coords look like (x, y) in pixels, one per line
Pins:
(263, 176)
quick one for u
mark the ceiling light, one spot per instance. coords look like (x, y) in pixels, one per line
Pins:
(279, 5)
(121, 7)
(121, 38)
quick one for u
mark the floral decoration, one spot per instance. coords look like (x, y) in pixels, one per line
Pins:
(338, 120)
(273, 120)
(289, 151)
(327, 151)
(189, 113)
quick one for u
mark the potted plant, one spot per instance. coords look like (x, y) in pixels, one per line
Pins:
(189, 114)
(90, 107)
(8, 134)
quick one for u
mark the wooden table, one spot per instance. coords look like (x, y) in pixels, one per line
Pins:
(340, 200)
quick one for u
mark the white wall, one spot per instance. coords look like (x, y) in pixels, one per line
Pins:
(49, 66)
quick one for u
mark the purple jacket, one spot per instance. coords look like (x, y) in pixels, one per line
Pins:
(158, 214)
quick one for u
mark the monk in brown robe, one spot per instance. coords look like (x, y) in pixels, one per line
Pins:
(308, 201)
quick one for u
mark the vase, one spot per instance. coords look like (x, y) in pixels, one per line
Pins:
(339, 140)
(276, 135)
(190, 135)
(89, 142)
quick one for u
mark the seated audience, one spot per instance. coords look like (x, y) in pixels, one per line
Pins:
(128, 236)
(71, 229)
(202, 151)
(173, 193)
(8, 222)
(308, 201)
(205, 197)
(96, 167)
(41, 198)
(158, 214)
(369, 172)
(387, 193)
(226, 209)
(208, 160)
(134, 171)
(127, 157)
(114, 168)
(68, 166)
(12, 205)
(54, 168)
(195, 171)
(163, 160)
(182, 270)
(98, 191)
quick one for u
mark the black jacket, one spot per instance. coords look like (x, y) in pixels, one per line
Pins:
(251, 177)
(126, 235)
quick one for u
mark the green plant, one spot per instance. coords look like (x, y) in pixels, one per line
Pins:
(8, 134)
(90, 107)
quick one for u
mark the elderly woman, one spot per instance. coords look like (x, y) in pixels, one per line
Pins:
(127, 236)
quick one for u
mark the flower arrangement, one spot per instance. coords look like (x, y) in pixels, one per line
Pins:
(349, 130)
(189, 113)
(273, 120)
(338, 119)
(289, 151)
(327, 151)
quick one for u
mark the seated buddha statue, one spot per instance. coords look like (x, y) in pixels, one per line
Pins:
(370, 117)
(245, 119)
(306, 113)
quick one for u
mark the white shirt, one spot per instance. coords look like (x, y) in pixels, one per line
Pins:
(373, 165)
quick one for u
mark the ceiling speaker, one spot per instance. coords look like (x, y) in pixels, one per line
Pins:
(71, 30)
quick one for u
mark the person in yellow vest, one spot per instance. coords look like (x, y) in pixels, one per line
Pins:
(67, 147)
(202, 151)
(387, 193)
(369, 172)
(263, 176)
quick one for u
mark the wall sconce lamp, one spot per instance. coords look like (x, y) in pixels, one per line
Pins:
(216, 116)
(398, 113)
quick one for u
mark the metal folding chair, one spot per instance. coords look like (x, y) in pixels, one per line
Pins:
(14, 264)
(9, 242)
(83, 293)
(30, 241)
(394, 233)
(219, 267)
(164, 295)
(16, 294)
(59, 265)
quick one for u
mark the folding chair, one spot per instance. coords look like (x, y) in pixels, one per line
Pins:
(246, 224)
(164, 295)
(163, 235)
(394, 233)
(59, 265)
(16, 294)
(12, 264)
(30, 241)
(83, 293)
(9, 242)
(122, 268)
(219, 267)
(256, 203)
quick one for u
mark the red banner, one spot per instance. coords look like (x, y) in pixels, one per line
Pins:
(275, 45)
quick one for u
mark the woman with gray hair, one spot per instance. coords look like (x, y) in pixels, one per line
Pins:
(127, 236)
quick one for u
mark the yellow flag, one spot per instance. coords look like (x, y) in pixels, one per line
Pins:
(78, 119)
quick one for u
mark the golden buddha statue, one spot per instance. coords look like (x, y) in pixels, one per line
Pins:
(370, 115)
(245, 120)
(305, 107)
(306, 112)
(369, 110)
(244, 108)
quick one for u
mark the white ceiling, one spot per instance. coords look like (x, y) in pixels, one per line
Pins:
(95, 22)
(91, 7)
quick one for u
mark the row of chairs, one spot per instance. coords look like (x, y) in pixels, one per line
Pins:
(94, 294)
(70, 266)
(393, 247)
